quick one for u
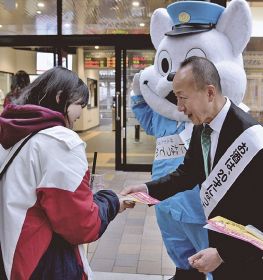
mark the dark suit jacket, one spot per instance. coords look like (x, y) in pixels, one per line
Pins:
(243, 203)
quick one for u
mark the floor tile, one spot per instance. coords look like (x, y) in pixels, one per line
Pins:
(121, 276)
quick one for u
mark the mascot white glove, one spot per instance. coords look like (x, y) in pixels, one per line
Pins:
(136, 84)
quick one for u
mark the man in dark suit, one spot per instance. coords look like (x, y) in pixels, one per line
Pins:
(235, 190)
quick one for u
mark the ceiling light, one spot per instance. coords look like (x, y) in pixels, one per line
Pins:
(40, 5)
(142, 24)
(135, 3)
(1, 25)
(96, 47)
(39, 12)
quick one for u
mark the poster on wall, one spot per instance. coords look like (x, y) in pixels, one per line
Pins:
(93, 94)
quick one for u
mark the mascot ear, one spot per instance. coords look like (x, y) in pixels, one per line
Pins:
(160, 24)
(236, 23)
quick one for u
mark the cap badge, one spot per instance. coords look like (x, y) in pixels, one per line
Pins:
(184, 17)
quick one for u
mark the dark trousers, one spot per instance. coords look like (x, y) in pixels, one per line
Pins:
(191, 274)
(251, 270)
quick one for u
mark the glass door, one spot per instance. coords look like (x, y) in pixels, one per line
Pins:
(95, 65)
(134, 148)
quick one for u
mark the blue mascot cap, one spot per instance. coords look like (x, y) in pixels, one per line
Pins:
(193, 16)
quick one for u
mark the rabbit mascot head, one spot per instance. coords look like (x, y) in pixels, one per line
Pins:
(193, 28)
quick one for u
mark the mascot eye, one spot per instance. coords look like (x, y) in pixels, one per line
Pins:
(195, 52)
(164, 63)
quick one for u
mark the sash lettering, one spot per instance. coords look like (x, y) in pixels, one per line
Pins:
(230, 166)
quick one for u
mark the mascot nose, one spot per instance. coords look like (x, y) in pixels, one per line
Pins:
(170, 76)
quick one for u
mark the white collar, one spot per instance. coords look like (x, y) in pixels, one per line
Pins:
(217, 123)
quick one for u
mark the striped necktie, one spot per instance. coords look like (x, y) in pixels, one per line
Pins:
(206, 145)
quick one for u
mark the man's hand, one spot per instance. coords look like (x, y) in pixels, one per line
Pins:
(133, 189)
(124, 204)
(206, 260)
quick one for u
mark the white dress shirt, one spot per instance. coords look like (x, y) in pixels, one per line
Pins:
(216, 125)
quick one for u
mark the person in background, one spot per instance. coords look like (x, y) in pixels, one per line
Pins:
(47, 209)
(19, 81)
(225, 158)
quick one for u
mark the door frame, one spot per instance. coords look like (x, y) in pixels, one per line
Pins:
(120, 113)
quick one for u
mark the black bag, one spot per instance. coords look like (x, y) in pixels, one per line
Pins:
(58, 263)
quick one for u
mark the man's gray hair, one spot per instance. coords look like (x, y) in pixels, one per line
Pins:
(204, 72)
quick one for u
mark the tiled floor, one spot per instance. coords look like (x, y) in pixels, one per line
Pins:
(132, 243)
(124, 276)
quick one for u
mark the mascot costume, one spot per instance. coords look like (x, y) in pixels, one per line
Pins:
(184, 29)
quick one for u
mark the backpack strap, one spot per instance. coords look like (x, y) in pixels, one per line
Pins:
(16, 152)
